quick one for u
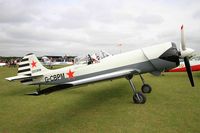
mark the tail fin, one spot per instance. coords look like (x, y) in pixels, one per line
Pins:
(30, 66)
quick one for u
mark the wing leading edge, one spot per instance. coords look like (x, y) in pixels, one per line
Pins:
(108, 76)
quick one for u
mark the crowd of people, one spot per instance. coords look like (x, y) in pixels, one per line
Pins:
(10, 62)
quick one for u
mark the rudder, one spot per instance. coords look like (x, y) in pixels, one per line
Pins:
(30, 66)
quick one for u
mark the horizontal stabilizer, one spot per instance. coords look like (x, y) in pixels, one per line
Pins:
(21, 77)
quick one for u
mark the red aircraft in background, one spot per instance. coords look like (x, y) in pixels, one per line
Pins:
(194, 65)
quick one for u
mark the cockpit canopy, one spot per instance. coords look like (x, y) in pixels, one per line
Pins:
(91, 58)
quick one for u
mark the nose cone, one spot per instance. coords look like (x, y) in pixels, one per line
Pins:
(171, 55)
(187, 52)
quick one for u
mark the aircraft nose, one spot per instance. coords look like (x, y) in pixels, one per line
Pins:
(172, 55)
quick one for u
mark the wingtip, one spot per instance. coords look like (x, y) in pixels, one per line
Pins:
(30, 54)
(9, 79)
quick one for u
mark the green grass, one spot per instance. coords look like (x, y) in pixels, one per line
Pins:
(172, 107)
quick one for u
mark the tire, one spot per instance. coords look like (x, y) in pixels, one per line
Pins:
(146, 88)
(140, 100)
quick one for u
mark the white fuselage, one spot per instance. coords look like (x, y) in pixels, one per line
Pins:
(144, 60)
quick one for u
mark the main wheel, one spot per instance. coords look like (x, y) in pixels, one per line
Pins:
(139, 98)
(146, 88)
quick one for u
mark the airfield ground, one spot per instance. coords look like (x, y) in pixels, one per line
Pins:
(172, 107)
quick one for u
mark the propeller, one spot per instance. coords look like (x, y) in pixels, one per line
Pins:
(189, 71)
(185, 54)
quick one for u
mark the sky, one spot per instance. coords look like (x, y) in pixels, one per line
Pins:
(78, 27)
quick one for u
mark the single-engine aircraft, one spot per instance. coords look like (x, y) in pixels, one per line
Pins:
(153, 59)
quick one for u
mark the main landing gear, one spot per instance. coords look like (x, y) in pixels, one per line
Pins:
(145, 87)
(138, 97)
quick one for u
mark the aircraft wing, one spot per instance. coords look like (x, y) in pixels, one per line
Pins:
(21, 77)
(108, 76)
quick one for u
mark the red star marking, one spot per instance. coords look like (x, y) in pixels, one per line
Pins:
(70, 74)
(33, 64)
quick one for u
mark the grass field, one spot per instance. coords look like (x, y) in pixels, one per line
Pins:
(172, 107)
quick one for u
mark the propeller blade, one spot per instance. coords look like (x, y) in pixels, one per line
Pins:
(183, 47)
(189, 71)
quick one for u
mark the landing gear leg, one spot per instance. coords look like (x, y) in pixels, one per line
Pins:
(138, 97)
(145, 87)
(38, 90)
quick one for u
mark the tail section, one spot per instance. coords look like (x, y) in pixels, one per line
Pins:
(30, 66)
(30, 70)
